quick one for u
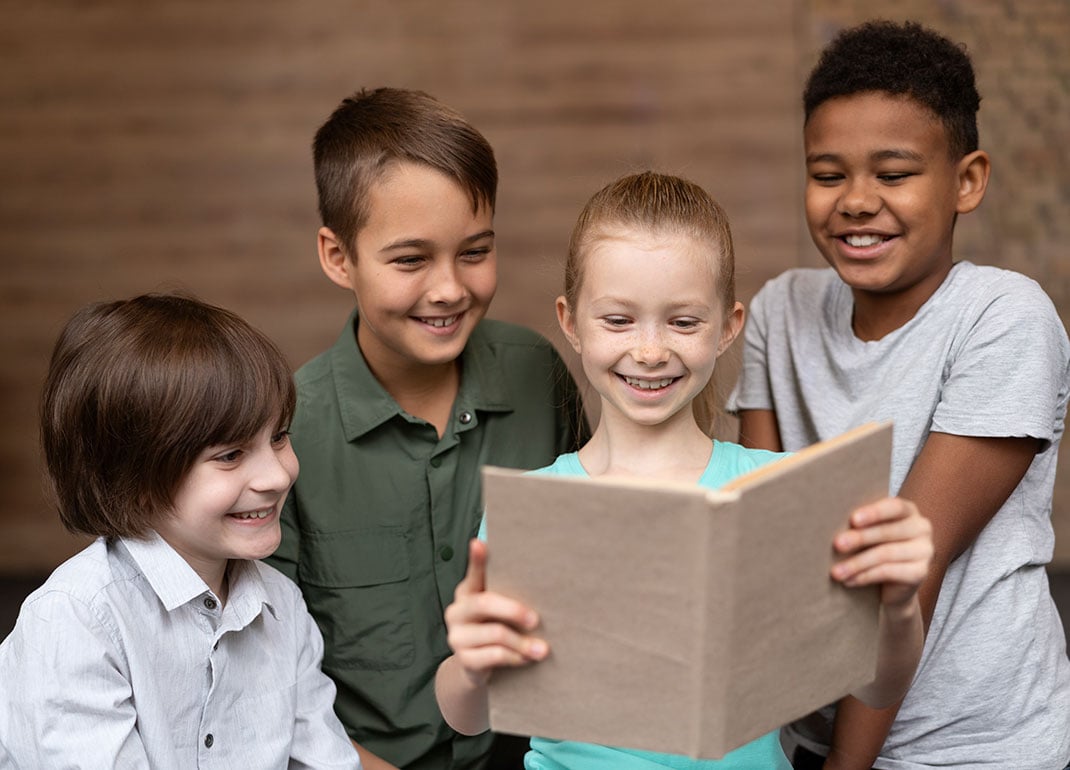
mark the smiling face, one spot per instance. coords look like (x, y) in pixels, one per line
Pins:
(883, 191)
(648, 323)
(424, 269)
(227, 506)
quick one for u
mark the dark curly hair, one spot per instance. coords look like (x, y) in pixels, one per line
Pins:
(906, 59)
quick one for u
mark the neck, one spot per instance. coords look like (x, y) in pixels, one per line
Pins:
(879, 314)
(676, 449)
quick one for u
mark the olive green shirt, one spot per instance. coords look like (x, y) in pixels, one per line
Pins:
(375, 530)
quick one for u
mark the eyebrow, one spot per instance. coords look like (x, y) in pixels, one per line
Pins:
(424, 243)
(830, 157)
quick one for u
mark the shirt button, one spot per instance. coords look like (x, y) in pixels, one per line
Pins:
(465, 418)
(436, 461)
(208, 741)
(210, 604)
(445, 552)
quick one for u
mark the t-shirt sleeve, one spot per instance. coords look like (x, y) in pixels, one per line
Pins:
(1009, 375)
(752, 389)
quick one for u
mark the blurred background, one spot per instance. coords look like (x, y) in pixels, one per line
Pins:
(150, 146)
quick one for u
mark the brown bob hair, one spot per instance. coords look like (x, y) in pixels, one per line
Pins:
(136, 390)
(370, 130)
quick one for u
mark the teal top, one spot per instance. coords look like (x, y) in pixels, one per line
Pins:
(376, 529)
(726, 463)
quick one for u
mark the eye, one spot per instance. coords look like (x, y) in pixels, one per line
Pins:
(475, 255)
(685, 324)
(409, 261)
(281, 438)
(895, 177)
(826, 178)
(229, 457)
(616, 321)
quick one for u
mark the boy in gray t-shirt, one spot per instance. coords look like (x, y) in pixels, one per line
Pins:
(973, 365)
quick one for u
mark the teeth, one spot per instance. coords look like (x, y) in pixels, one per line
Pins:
(253, 514)
(439, 322)
(635, 382)
(860, 241)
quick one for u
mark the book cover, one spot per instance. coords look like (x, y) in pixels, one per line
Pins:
(680, 619)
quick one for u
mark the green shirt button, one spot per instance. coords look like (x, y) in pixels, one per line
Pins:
(445, 552)
(436, 461)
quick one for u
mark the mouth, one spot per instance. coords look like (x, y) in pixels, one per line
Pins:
(439, 322)
(643, 383)
(256, 515)
(864, 240)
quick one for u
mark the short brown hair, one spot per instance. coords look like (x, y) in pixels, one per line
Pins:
(371, 130)
(658, 203)
(136, 390)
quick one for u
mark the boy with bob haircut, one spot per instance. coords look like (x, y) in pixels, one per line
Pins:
(973, 365)
(164, 643)
(394, 421)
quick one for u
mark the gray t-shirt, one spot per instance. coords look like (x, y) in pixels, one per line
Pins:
(987, 355)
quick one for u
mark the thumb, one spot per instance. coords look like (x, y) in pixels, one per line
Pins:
(475, 577)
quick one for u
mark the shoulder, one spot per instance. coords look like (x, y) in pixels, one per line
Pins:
(730, 460)
(279, 588)
(985, 283)
(794, 294)
(565, 465)
(800, 280)
(79, 593)
(1010, 305)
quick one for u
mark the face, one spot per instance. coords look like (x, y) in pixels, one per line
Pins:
(227, 506)
(424, 269)
(882, 192)
(649, 324)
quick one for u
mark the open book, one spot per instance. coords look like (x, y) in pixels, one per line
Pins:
(680, 619)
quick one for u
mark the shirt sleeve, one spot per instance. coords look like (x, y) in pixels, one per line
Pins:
(319, 741)
(67, 699)
(1009, 375)
(752, 389)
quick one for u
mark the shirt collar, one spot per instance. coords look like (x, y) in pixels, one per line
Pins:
(176, 583)
(364, 403)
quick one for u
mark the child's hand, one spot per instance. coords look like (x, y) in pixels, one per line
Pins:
(487, 630)
(889, 543)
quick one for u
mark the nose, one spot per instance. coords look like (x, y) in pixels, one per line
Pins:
(276, 469)
(446, 286)
(650, 348)
(859, 198)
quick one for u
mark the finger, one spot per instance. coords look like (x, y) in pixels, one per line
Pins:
(482, 636)
(484, 659)
(908, 560)
(908, 574)
(886, 509)
(909, 529)
(491, 607)
(475, 576)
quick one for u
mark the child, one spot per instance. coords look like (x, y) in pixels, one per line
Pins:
(164, 643)
(649, 306)
(394, 421)
(972, 365)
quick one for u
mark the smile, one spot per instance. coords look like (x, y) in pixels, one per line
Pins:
(643, 384)
(440, 323)
(862, 241)
(254, 514)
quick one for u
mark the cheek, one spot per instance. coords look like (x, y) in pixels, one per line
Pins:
(483, 281)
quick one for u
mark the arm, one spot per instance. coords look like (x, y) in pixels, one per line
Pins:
(65, 696)
(758, 430)
(485, 631)
(959, 483)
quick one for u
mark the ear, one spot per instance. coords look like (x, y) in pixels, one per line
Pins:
(732, 326)
(333, 258)
(567, 323)
(973, 172)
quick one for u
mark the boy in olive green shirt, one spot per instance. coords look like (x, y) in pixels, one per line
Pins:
(394, 421)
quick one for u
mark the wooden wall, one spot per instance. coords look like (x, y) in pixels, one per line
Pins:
(160, 145)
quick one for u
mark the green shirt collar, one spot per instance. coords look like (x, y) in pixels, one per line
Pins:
(365, 404)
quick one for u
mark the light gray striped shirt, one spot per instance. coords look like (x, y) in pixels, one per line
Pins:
(124, 658)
